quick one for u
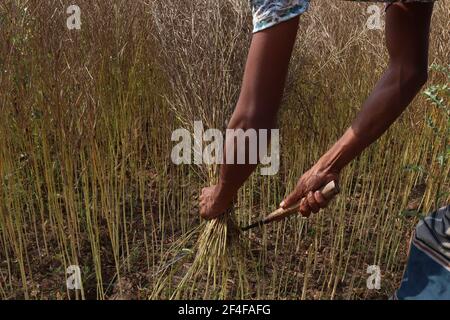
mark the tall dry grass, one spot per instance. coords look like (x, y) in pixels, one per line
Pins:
(86, 177)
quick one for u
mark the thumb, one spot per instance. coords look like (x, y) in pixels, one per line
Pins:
(291, 199)
(332, 177)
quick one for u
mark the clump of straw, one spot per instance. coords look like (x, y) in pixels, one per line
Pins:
(218, 251)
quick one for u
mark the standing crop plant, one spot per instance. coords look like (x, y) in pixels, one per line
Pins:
(438, 95)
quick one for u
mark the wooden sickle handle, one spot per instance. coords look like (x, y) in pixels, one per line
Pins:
(329, 191)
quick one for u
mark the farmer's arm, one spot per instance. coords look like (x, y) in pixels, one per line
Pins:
(407, 33)
(259, 101)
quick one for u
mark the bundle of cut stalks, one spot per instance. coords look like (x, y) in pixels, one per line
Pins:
(219, 258)
(219, 255)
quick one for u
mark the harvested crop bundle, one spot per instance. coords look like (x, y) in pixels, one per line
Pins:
(218, 260)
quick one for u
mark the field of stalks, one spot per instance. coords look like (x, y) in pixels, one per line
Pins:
(86, 177)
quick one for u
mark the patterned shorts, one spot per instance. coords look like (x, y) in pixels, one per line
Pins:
(268, 13)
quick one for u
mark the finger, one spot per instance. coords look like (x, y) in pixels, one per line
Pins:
(312, 202)
(290, 200)
(205, 216)
(304, 209)
(321, 201)
(204, 213)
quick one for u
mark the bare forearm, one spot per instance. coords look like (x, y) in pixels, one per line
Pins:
(232, 174)
(393, 93)
(261, 94)
(407, 38)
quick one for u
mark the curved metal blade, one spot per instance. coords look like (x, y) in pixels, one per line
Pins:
(253, 225)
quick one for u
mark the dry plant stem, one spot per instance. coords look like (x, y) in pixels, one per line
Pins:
(218, 251)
